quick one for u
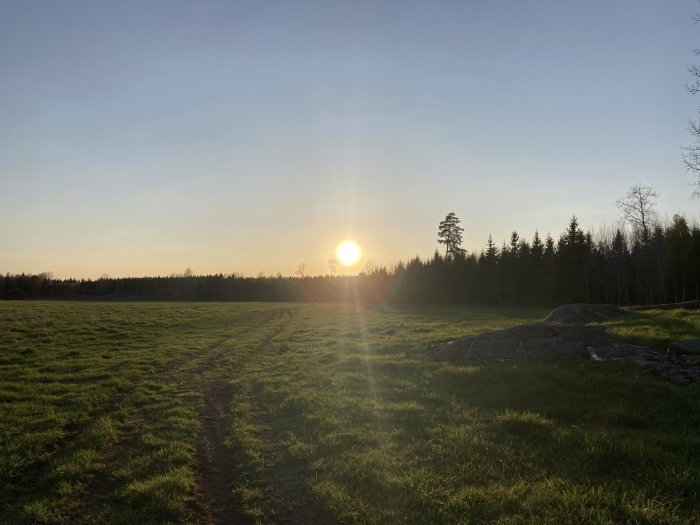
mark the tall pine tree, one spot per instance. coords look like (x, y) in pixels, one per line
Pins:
(450, 234)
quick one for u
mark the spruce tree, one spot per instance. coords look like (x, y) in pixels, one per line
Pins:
(571, 254)
(537, 249)
(678, 247)
(618, 263)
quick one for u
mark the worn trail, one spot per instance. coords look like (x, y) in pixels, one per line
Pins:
(217, 472)
(215, 465)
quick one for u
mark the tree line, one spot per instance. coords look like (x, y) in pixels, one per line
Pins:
(649, 263)
(615, 267)
(363, 288)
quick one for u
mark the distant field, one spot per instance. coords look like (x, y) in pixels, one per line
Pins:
(293, 413)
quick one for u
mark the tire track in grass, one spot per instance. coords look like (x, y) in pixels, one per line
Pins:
(24, 481)
(278, 490)
(103, 491)
(215, 469)
(98, 493)
(202, 371)
(284, 484)
(103, 486)
(217, 472)
(22, 484)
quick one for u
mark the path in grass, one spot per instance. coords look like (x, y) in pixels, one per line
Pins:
(216, 469)
(109, 410)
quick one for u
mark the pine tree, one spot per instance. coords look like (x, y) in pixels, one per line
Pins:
(549, 265)
(514, 238)
(491, 251)
(570, 272)
(510, 272)
(489, 282)
(694, 260)
(450, 234)
(537, 249)
(678, 246)
(619, 256)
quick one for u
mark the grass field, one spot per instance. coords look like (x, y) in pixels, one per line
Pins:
(293, 413)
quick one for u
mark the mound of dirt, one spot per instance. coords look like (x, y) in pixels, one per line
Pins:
(555, 340)
(533, 341)
(583, 313)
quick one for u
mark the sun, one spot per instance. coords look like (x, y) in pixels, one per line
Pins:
(348, 253)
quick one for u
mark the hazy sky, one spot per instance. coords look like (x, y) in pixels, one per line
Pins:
(145, 137)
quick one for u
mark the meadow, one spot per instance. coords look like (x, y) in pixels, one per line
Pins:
(302, 413)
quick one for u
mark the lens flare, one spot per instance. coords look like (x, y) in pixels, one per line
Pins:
(348, 253)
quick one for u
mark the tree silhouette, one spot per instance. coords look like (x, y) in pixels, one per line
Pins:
(677, 258)
(637, 208)
(490, 288)
(332, 264)
(450, 234)
(691, 154)
(537, 248)
(571, 253)
(618, 255)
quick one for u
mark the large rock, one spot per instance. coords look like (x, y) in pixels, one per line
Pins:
(580, 313)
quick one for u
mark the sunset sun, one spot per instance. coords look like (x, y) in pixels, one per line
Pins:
(348, 253)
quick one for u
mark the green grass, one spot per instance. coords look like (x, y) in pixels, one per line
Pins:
(331, 418)
(656, 328)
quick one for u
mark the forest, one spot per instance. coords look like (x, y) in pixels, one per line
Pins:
(645, 264)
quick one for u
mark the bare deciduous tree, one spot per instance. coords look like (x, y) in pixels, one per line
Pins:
(370, 267)
(637, 209)
(691, 154)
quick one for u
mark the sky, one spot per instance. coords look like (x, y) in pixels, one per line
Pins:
(148, 137)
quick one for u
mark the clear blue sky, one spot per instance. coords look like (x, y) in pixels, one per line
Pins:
(147, 137)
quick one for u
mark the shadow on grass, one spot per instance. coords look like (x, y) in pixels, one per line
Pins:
(651, 329)
(395, 440)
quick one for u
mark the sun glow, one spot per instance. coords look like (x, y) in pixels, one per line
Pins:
(348, 253)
